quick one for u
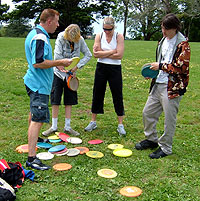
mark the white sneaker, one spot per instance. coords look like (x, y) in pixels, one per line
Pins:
(91, 126)
(71, 132)
(121, 130)
(48, 132)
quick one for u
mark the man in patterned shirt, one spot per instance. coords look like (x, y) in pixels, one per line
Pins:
(167, 89)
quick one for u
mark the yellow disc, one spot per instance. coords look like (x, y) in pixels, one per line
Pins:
(94, 154)
(107, 173)
(130, 191)
(115, 146)
(122, 152)
(75, 61)
(53, 137)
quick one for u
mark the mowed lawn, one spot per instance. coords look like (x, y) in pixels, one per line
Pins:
(176, 177)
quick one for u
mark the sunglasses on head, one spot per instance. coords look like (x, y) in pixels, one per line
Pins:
(107, 29)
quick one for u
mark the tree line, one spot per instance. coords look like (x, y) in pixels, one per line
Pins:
(141, 18)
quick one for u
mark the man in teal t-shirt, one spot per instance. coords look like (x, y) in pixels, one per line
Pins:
(38, 79)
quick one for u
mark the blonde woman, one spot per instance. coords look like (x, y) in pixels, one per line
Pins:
(69, 44)
(109, 49)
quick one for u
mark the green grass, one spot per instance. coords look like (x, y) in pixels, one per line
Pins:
(175, 177)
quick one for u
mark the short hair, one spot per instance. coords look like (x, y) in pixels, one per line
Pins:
(110, 21)
(48, 13)
(72, 33)
(171, 21)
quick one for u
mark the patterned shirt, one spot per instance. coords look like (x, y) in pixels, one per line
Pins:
(178, 69)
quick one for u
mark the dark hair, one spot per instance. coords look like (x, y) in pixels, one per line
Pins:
(170, 21)
(48, 13)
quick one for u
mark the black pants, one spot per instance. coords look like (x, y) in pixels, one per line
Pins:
(112, 74)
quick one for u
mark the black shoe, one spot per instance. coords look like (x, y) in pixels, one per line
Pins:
(37, 164)
(42, 140)
(157, 154)
(146, 144)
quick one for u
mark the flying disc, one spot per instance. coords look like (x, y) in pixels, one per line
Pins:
(75, 61)
(53, 137)
(122, 152)
(55, 141)
(44, 145)
(23, 148)
(95, 141)
(147, 72)
(94, 154)
(130, 191)
(73, 83)
(57, 148)
(73, 152)
(107, 173)
(63, 137)
(63, 153)
(60, 152)
(62, 166)
(74, 140)
(45, 156)
(115, 146)
(83, 150)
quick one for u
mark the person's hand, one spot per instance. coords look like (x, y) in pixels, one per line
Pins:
(66, 62)
(147, 78)
(154, 66)
(62, 69)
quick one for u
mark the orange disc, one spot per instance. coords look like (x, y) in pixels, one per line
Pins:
(130, 191)
(62, 166)
(83, 150)
(23, 148)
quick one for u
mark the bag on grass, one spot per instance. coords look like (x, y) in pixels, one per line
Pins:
(6, 191)
(12, 173)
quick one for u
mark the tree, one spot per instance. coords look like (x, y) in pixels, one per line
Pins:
(3, 9)
(143, 17)
(121, 12)
(17, 28)
(71, 11)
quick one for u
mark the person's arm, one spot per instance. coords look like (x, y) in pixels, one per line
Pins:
(98, 52)
(85, 51)
(51, 63)
(120, 48)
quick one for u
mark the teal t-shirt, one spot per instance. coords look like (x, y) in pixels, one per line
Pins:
(38, 49)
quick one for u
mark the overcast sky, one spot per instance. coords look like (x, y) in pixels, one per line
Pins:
(97, 27)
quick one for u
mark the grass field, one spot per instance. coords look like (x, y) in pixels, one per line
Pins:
(176, 177)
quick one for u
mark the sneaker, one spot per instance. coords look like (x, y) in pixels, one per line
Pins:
(121, 130)
(42, 140)
(71, 132)
(37, 164)
(91, 126)
(157, 154)
(48, 132)
(146, 144)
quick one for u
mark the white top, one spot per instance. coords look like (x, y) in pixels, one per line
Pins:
(109, 46)
(167, 56)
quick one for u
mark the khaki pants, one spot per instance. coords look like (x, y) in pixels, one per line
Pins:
(158, 102)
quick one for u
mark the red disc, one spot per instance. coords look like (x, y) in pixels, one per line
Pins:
(97, 141)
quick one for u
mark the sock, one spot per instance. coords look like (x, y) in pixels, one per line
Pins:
(54, 123)
(119, 125)
(67, 124)
(31, 158)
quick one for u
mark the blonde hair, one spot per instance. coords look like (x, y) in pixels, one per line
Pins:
(72, 33)
(110, 21)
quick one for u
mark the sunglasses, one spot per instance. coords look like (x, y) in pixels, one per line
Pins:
(107, 29)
